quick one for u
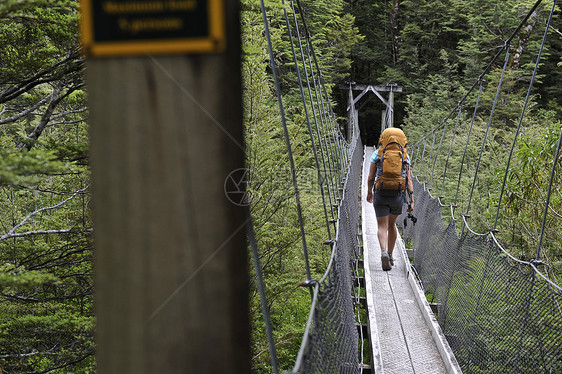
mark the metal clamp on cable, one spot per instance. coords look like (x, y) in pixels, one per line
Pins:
(536, 262)
(308, 283)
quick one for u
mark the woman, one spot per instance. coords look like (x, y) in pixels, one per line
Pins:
(388, 202)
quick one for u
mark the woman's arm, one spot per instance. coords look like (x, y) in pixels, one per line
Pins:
(410, 188)
(371, 181)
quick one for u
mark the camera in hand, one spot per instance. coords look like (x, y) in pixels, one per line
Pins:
(411, 217)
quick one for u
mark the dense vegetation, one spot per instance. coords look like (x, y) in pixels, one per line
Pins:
(46, 317)
(434, 49)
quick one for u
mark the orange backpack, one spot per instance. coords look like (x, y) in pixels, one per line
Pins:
(392, 156)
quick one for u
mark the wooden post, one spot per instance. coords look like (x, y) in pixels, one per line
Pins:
(351, 114)
(392, 87)
(170, 257)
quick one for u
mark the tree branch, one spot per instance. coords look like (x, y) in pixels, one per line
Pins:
(56, 98)
(87, 292)
(43, 76)
(25, 112)
(58, 115)
(41, 232)
(12, 233)
(67, 122)
(88, 354)
(556, 31)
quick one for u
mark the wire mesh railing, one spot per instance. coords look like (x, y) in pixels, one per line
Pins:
(331, 341)
(498, 313)
(331, 338)
(477, 254)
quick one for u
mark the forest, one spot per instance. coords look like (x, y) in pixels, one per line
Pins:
(434, 49)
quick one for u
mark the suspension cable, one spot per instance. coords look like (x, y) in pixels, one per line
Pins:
(451, 147)
(437, 155)
(523, 112)
(334, 138)
(430, 158)
(468, 139)
(287, 139)
(263, 299)
(331, 143)
(488, 126)
(303, 97)
(421, 161)
(313, 110)
(323, 140)
(319, 75)
(556, 154)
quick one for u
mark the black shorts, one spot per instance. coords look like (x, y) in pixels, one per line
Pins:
(385, 205)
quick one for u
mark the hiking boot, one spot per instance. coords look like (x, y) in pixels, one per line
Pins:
(390, 259)
(385, 259)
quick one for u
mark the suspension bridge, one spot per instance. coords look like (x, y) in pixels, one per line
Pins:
(456, 300)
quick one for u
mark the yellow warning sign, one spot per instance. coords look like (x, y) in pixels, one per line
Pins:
(136, 27)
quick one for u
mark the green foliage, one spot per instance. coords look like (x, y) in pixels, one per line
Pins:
(35, 35)
(431, 48)
(34, 336)
(470, 33)
(14, 279)
(526, 189)
(46, 317)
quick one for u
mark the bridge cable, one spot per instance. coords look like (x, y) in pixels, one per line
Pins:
(320, 78)
(523, 111)
(468, 139)
(491, 233)
(422, 157)
(416, 149)
(322, 111)
(287, 140)
(335, 142)
(313, 145)
(451, 146)
(534, 277)
(547, 203)
(321, 146)
(437, 155)
(430, 158)
(323, 139)
(506, 47)
(263, 298)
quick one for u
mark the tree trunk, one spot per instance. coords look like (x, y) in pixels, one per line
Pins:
(394, 32)
(34, 135)
(56, 98)
(523, 40)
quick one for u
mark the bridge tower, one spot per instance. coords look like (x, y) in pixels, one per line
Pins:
(387, 115)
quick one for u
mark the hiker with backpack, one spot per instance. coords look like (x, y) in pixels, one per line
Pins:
(391, 178)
